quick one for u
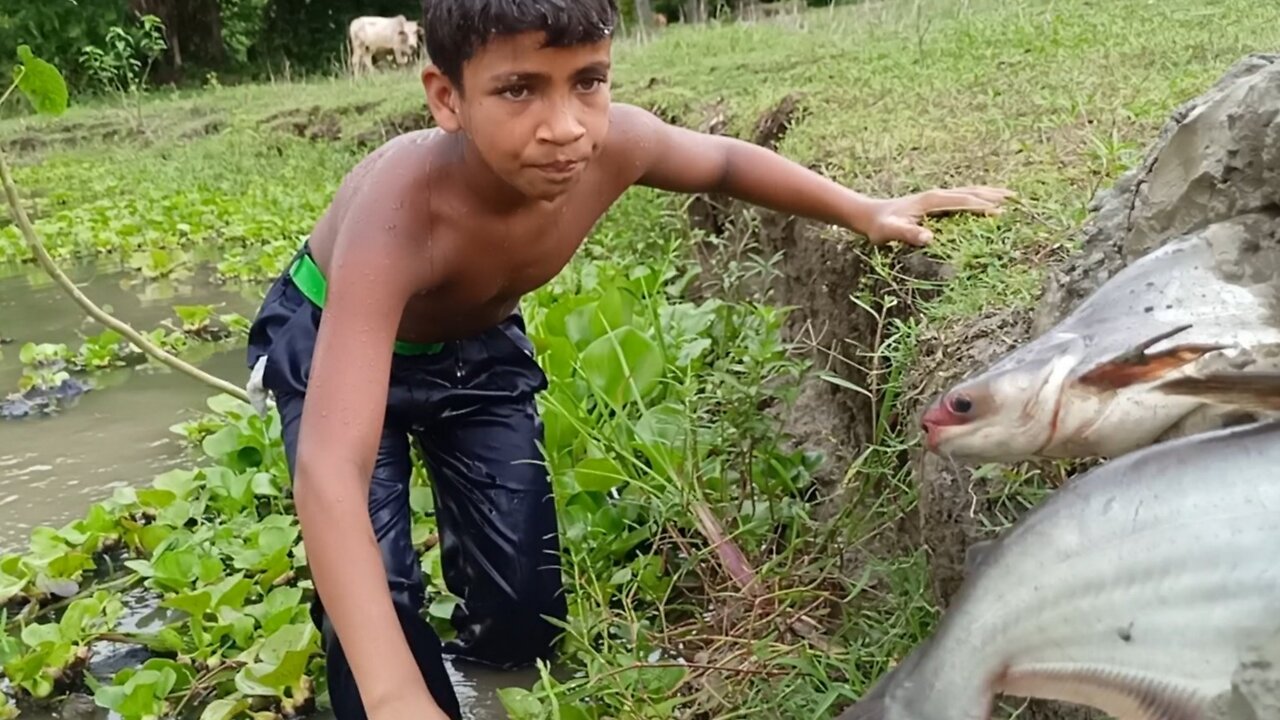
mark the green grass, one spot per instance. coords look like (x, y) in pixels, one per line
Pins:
(1051, 98)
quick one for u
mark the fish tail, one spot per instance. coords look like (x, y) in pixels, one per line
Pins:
(1258, 391)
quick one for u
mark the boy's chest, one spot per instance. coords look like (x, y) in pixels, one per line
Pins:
(506, 261)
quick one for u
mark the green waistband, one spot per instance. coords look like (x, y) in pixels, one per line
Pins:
(307, 276)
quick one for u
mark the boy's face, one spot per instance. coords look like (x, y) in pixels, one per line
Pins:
(537, 115)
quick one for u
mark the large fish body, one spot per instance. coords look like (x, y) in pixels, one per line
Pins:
(1136, 589)
(1088, 387)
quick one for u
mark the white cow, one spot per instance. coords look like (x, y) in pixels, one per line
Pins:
(371, 35)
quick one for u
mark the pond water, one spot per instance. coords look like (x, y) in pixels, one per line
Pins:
(53, 468)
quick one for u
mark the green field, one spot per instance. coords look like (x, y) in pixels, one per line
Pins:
(1053, 99)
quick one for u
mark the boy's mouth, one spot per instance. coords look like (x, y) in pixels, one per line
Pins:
(559, 168)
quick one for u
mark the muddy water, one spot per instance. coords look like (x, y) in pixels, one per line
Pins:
(53, 468)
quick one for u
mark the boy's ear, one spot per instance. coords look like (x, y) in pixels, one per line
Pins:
(442, 98)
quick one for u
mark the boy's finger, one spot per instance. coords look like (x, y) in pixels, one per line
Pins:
(955, 201)
(912, 234)
(987, 192)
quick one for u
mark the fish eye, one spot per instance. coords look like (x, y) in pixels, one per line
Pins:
(961, 405)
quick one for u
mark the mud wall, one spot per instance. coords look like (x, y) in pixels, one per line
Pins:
(816, 270)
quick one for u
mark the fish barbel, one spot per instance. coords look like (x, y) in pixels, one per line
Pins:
(1135, 589)
(1088, 387)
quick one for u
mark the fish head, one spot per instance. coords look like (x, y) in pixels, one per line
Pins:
(1004, 415)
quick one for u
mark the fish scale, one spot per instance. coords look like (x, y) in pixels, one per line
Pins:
(1142, 581)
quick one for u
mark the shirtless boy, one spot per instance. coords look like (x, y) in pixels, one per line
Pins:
(419, 265)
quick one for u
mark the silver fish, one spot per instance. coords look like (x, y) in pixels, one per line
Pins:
(1207, 302)
(1135, 589)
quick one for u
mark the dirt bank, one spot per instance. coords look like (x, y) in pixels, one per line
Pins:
(816, 271)
(1216, 158)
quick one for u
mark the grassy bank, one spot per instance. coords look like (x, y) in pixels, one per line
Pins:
(1053, 99)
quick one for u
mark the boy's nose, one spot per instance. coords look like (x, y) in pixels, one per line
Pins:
(561, 127)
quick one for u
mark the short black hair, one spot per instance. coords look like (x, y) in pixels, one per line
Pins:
(456, 29)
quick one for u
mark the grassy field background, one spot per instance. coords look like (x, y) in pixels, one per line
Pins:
(1053, 99)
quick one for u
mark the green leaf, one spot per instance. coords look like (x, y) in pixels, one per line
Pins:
(194, 604)
(660, 435)
(572, 712)
(224, 709)
(176, 514)
(155, 498)
(228, 405)
(142, 567)
(613, 311)
(623, 365)
(274, 539)
(283, 661)
(520, 704)
(578, 325)
(281, 607)
(10, 586)
(598, 474)
(231, 592)
(692, 351)
(178, 482)
(141, 694)
(98, 520)
(182, 675)
(421, 500)
(41, 83)
(10, 647)
(265, 484)
(166, 640)
(35, 636)
(222, 443)
(442, 607)
(177, 569)
(557, 356)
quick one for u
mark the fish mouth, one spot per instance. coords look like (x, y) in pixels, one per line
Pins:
(930, 438)
(934, 422)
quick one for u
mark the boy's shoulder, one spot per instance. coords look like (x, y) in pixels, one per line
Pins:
(399, 160)
(635, 136)
(631, 127)
(385, 188)
(395, 175)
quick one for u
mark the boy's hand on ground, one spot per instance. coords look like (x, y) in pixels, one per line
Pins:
(899, 219)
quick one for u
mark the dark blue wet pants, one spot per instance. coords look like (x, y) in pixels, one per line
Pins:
(470, 406)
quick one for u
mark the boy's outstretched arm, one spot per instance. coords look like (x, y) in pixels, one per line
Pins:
(338, 440)
(674, 158)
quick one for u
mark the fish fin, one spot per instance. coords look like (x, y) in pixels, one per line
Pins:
(1136, 365)
(1258, 391)
(976, 553)
(1120, 694)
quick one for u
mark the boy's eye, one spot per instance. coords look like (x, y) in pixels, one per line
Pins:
(515, 92)
(589, 84)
